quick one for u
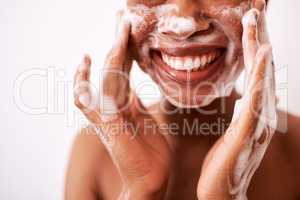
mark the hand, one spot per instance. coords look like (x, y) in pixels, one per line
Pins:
(231, 163)
(141, 155)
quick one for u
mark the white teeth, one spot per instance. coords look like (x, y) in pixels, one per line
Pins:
(197, 62)
(203, 60)
(165, 58)
(178, 63)
(190, 63)
(209, 58)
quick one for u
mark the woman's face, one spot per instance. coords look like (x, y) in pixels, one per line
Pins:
(191, 48)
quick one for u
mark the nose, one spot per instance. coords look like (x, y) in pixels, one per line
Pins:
(185, 22)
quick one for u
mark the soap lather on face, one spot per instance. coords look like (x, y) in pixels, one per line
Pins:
(176, 24)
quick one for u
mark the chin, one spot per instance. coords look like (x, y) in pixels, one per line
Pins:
(201, 101)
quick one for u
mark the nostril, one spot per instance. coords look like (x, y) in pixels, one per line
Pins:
(169, 33)
(207, 31)
(175, 35)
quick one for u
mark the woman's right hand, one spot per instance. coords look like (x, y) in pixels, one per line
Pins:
(232, 161)
(140, 153)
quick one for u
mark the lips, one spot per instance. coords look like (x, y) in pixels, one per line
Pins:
(189, 66)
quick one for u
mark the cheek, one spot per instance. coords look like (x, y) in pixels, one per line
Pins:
(230, 19)
(232, 27)
(142, 23)
(144, 20)
(141, 54)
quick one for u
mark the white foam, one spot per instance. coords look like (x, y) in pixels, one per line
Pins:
(238, 10)
(177, 25)
(249, 159)
(161, 10)
(135, 14)
(165, 21)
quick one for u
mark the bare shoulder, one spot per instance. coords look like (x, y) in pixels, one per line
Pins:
(89, 166)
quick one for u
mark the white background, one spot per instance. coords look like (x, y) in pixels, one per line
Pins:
(56, 33)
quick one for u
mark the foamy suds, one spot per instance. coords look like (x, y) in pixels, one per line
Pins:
(136, 13)
(161, 10)
(168, 22)
(238, 10)
(165, 21)
(249, 159)
(177, 25)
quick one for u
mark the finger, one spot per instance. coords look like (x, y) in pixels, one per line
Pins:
(83, 96)
(81, 80)
(263, 33)
(83, 70)
(249, 137)
(115, 88)
(120, 140)
(259, 5)
(118, 53)
(250, 37)
(245, 127)
(262, 70)
(248, 110)
(265, 85)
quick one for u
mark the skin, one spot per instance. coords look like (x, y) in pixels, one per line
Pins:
(155, 164)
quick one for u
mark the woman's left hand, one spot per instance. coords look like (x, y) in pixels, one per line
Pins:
(231, 163)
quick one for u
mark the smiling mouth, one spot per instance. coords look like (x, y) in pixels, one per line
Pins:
(188, 65)
(191, 63)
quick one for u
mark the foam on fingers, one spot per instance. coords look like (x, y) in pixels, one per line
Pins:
(250, 39)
